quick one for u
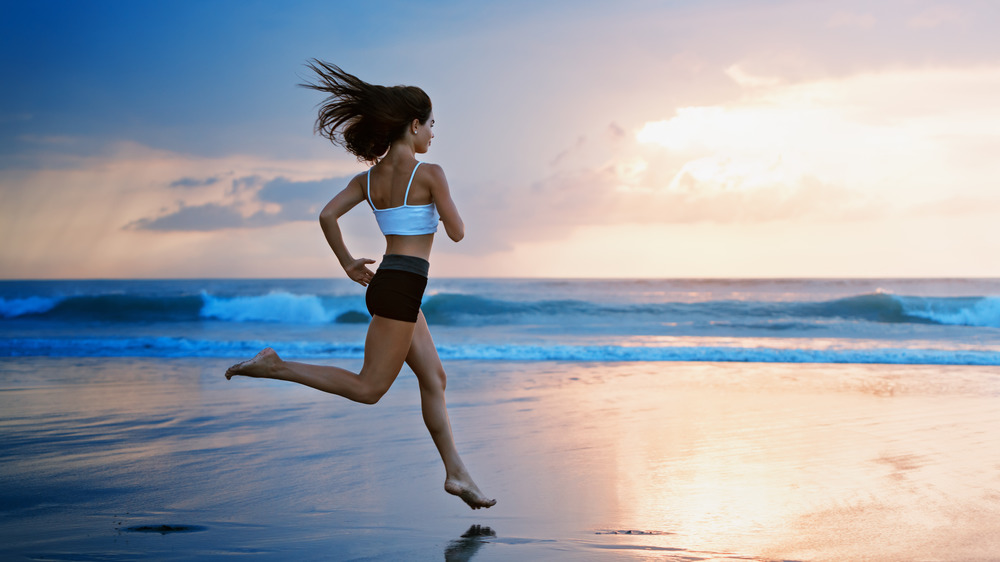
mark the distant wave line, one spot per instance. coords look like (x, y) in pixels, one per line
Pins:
(176, 347)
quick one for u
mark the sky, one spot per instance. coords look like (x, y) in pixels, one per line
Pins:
(711, 138)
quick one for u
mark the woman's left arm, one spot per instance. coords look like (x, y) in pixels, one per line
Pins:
(356, 269)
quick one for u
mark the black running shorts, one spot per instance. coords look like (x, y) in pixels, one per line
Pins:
(397, 288)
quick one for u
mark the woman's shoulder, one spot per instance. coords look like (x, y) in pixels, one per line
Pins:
(357, 183)
(431, 171)
(358, 179)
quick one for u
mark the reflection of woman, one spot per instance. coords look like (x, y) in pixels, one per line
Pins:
(386, 126)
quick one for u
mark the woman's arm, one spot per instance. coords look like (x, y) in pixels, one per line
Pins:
(446, 207)
(356, 269)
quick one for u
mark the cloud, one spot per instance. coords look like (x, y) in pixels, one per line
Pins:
(901, 133)
(749, 80)
(200, 218)
(833, 151)
(278, 201)
(580, 142)
(299, 200)
(283, 190)
(114, 214)
(195, 182)
(246, 184)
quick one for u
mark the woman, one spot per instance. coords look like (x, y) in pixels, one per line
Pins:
(388, 127)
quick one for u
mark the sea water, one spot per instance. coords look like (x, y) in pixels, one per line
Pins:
(898, 321)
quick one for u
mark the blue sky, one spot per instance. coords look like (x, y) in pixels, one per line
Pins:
(668, 139)
(211, 77)
(187, 76)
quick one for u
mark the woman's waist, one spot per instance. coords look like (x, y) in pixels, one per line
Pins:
(403, 262)
(416, 245)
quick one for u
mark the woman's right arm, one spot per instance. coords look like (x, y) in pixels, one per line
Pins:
(356, 269)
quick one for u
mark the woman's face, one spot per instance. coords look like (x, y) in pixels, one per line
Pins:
(424, 133)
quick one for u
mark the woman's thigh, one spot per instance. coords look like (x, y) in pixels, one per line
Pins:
(386, 347)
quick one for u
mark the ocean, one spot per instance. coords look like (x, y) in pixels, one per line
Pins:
(863, 321)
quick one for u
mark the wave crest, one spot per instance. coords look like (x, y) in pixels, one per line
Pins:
(276, 306)
(982, 312)
(13, 308)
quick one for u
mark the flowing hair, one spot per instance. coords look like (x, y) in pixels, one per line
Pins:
(364, 118)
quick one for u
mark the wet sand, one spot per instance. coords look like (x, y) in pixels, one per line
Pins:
(118, 459)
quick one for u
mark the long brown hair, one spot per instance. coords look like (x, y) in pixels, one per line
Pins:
(364, 118)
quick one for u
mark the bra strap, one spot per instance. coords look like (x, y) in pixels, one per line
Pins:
(370, 189)
(407, 195)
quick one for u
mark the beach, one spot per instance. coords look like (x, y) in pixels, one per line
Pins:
(124, 458)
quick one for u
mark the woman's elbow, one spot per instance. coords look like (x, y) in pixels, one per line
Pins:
(326, 217)
(456, 233)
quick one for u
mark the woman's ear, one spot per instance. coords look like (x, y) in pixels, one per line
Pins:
(414, 126)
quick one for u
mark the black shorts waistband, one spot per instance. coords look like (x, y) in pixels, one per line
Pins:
(400, 262)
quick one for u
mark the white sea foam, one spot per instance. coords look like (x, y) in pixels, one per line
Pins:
(983, 312)
(276, 306)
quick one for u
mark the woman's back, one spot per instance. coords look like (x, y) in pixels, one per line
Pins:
(401, 198)
(389, 183)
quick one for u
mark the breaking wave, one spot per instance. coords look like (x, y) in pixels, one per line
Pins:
(458, 309)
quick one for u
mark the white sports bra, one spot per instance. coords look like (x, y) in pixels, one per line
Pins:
(406, 220)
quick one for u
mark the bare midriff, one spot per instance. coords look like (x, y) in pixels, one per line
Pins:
(418, 246)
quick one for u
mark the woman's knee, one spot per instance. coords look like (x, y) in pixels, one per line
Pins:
(373, 388)
(433, 379)
(372, 393)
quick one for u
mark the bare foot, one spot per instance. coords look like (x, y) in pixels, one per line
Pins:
(255, 367)
(468, 491)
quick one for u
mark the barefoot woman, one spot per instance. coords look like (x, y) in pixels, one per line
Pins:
(388, 127)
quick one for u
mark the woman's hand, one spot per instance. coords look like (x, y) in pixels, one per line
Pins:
(358, 271)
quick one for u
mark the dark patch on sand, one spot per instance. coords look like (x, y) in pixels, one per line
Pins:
(464, 548)
(164, 529)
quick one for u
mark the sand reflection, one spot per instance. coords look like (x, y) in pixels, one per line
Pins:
(769, 461)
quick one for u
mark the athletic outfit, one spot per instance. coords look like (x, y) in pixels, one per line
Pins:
(397, 287)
